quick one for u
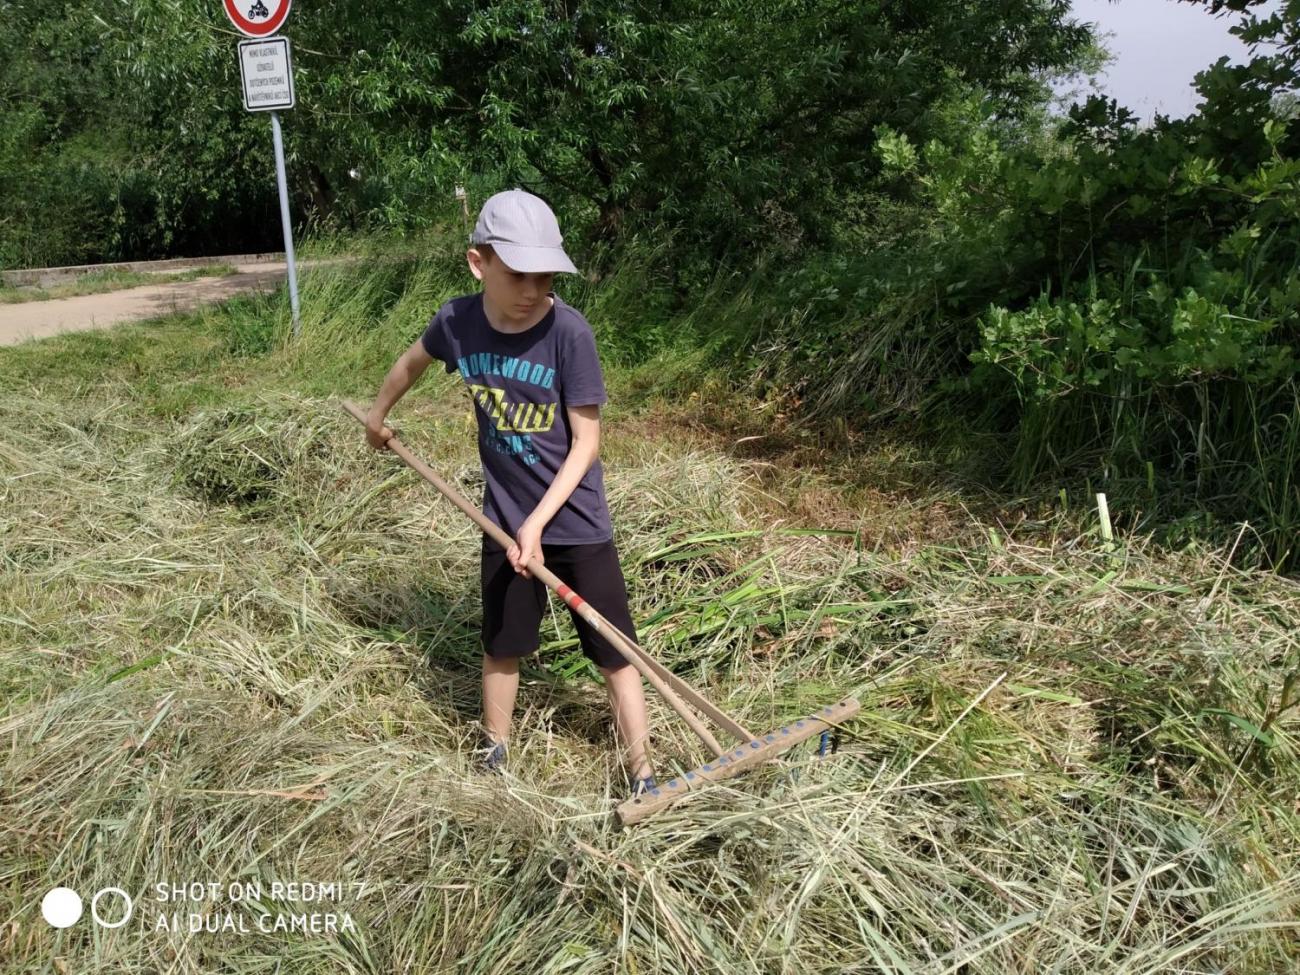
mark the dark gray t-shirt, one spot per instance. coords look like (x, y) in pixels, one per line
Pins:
(521, 384)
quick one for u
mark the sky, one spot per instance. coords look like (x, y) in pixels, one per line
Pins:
(1158, 45)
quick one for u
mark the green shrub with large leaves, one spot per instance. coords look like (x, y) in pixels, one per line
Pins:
(1115, 301)
(1168, 337)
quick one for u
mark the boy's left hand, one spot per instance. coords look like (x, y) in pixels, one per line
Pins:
(528, 546)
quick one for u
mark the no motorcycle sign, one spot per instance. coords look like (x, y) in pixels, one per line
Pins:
(257, 18)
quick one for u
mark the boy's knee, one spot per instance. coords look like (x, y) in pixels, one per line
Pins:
(500, 665)
(617, 670)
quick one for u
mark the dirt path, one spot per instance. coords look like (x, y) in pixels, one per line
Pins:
(41, 319)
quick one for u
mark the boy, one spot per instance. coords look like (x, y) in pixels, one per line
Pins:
(529, 361)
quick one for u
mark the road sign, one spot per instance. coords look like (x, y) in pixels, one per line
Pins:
(267, 74)
(257, 18)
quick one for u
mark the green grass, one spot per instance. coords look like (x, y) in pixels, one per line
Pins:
(237, 645)
(98, 282)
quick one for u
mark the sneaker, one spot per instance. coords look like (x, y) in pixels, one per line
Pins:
(491, 757)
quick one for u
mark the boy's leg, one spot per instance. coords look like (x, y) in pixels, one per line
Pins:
(500, 685)
(594, 573)
(512, 613)
(627, 701)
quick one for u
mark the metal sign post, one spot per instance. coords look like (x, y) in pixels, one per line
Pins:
(284, 219)
(266, 71)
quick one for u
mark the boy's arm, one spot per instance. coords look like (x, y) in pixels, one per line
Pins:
(406, 370)
(584, 425)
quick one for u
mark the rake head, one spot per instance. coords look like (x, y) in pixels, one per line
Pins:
(737, 760)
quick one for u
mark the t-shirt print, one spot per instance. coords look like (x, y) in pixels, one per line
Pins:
(512, 422)
(521, 385)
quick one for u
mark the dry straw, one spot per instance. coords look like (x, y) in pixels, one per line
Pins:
(240, 645)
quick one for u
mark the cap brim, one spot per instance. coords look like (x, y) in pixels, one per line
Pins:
(535, 260)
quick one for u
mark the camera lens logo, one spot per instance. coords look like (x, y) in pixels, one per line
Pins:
(62, 907)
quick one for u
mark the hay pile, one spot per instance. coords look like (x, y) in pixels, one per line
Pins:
(241, 455)
(1068, 759)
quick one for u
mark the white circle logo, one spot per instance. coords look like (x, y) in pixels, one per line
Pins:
(94, 907)
(61, 907)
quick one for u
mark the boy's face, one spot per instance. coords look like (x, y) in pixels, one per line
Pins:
(515, 297)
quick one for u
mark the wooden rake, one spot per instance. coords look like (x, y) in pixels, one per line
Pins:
(726, 762)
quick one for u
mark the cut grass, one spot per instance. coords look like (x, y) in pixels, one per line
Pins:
(240, 646)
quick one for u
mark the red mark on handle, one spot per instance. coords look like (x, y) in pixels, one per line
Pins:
(571, 598)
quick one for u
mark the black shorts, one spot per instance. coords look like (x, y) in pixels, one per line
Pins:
(513, 606)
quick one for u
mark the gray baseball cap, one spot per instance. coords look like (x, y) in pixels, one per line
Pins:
(523, 232)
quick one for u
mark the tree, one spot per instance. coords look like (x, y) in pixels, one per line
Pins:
(728, 123)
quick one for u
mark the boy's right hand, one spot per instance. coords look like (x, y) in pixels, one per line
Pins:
(377, 435)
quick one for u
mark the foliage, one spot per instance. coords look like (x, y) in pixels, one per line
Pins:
(96, 163)
(730, 125)
(1121, 301)
(1167, 336)
(862, 208)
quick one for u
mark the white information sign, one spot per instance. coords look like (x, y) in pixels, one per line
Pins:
(267, 73)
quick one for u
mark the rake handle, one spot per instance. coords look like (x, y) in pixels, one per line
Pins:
(629, 650)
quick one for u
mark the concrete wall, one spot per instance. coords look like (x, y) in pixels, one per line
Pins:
(46, 276)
